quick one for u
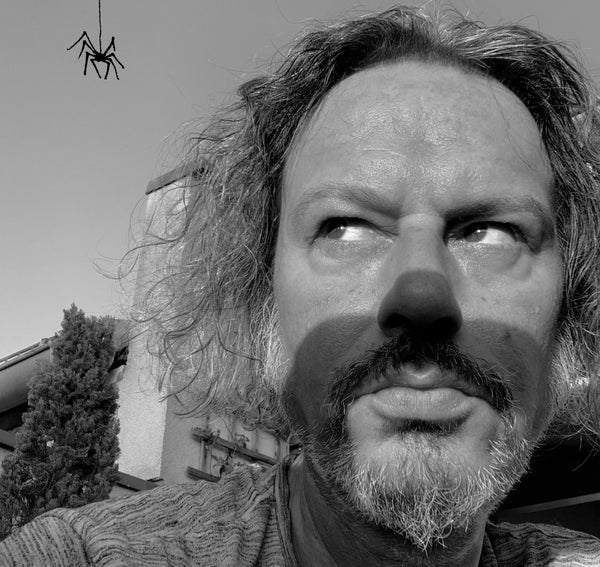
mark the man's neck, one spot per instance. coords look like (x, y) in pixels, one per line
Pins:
(324, 535)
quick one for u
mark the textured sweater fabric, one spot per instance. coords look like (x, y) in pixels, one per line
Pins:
(240, 521)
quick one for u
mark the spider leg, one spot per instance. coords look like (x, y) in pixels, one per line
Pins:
(107, 70)
(95, 67)
(85, 45)
(112, 55)
(110, 63)
(111, 45)
(83, 36)
(114, 58)
(87, 58)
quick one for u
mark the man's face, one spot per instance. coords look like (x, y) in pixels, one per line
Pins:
(416, 218)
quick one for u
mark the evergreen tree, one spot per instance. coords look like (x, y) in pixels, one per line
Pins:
(66, 449)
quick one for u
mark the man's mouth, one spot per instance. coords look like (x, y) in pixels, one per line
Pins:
(434, 379)
(427, 379)
(406, 406)
(443, 428)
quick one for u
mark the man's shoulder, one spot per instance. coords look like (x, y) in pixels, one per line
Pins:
(202, 522)
(187, 505)
(531, 544)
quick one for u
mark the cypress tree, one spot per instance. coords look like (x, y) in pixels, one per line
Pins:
(67, 446)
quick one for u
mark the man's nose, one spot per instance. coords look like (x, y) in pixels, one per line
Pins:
(421, 299)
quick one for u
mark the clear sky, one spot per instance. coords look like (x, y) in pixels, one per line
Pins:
(77, 152)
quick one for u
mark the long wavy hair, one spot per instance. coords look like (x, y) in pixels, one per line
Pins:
(210, 313)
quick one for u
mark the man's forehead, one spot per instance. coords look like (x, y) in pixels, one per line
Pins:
(418, 110)
(426, 98)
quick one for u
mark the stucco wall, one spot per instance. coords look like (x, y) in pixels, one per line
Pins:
(183, 450)
(142, 415)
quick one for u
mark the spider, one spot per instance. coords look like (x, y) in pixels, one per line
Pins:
(94, 55)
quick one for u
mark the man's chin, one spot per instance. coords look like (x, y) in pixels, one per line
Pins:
(422, 456)
(419, 486)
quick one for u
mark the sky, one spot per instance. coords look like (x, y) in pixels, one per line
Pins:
(76, 152)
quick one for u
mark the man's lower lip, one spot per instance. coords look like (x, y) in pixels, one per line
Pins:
(435, 404)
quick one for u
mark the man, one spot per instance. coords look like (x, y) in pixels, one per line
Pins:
(394, 239)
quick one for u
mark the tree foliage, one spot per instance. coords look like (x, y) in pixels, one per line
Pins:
(67, 447)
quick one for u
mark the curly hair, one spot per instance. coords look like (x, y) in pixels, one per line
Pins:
(211, 313)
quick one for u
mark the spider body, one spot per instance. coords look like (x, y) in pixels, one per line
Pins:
(95, 56)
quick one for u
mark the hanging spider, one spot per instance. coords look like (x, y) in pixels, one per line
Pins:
(93, 55)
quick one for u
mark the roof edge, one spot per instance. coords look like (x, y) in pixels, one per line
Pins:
(172, 176)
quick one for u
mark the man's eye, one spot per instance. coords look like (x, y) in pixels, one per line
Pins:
(347, 229)
(491, 234)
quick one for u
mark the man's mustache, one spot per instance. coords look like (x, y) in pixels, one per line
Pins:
(408, 349)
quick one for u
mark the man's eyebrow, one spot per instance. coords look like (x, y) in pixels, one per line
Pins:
(506, 205)
(352, 194)
(482, 206)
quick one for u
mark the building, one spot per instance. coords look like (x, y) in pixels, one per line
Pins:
(158, 444)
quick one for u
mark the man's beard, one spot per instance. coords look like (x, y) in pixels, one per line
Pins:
(420, 490)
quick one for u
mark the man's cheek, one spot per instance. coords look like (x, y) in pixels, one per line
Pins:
(320, 351)
(523, 357)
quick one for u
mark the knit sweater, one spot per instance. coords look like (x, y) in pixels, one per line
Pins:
(241, 521)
